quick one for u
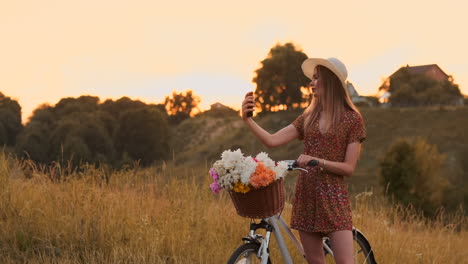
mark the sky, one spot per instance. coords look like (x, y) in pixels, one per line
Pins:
(51, 49)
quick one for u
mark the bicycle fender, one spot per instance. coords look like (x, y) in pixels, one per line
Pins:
(357, 232)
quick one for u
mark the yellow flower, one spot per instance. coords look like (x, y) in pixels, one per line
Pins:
(241, 188)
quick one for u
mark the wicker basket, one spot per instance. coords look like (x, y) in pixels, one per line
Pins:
(260, 203)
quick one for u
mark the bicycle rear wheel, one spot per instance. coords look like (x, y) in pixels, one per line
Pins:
(363, 253)
(246, 254)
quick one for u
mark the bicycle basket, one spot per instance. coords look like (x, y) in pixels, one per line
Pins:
(260, 203)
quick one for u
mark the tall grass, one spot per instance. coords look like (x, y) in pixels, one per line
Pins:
(156, 215)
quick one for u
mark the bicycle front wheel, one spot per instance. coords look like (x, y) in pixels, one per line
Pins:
(363, 253)
(246, 254)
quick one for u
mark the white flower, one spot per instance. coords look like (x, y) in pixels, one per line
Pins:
(219, 168)
(236, 174)
(263, 157)
(248, 168)
(280, 169)
(233, 167)
(231, 158)
(225, 182)
(229, 168)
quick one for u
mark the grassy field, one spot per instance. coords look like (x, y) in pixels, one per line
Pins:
(166, 214)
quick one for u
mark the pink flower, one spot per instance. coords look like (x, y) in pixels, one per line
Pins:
(214, 174)
(215, 187)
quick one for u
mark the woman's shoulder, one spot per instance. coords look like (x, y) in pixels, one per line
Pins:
(352, 116)
(299, 121)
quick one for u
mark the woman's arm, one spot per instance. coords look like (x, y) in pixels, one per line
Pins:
(345, 168)
(281, 137)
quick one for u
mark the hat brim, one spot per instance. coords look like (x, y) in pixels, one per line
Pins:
(309, 65)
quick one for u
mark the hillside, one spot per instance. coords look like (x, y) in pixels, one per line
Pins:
(201, 140)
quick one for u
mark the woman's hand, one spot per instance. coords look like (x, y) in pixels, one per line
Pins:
(248, 105)
(304, 159)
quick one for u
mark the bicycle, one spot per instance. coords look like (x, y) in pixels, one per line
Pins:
(256, 246)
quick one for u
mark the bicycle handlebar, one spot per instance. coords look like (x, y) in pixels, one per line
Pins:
(293, 165)
(313, 163)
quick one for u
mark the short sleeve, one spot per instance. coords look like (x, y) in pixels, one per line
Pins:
(357, 132)
(299, 125)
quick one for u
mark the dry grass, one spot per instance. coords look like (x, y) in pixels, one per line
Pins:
(153, 216)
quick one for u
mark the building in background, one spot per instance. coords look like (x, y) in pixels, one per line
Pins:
(431, 71)
(356, 98)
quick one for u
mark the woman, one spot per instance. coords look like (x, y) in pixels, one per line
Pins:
(333, 130)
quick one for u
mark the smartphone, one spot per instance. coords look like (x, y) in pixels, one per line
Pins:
(250, 114)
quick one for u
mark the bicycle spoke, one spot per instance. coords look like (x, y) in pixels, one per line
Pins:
(360, 255)
(364, 260)
(246, 254)
(244, 261)
(247, 258)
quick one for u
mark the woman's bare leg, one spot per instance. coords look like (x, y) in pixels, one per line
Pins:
(313, 247)
(342, 246)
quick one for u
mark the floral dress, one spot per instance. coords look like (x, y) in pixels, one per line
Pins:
(321, 201)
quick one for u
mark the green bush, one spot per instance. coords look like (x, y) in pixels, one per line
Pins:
(411, 174)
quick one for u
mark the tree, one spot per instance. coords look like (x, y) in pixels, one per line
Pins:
(280, 78)
(81, 130)
(180, 105)
(94, 134)
(34, 141)
(417, 90)
(143, 134)
(73, 130)
(115, 109)
(81, 104)
(122, 105)
(10, 120)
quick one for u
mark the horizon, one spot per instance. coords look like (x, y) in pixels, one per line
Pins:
(146, 49)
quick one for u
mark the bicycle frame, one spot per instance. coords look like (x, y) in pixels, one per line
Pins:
(274, 221)
(273, 224)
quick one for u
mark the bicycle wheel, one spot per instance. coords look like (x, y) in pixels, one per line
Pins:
(246, 254)
(362, 250)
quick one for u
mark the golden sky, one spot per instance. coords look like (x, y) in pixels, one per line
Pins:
(145, 49)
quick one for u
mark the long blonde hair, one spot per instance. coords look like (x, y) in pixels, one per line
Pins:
(334, 100)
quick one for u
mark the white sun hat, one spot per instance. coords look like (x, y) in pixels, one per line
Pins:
(333, 64)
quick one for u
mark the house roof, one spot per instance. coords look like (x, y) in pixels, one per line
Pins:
(352, 91)
(217, 105)
(421, 69)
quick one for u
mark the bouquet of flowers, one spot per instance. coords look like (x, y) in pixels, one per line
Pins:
(242, 174)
